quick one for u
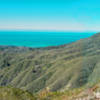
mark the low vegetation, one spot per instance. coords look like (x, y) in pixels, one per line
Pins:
(8, 93)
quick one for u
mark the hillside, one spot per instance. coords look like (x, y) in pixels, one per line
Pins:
(56, 68)
(8, 93)
(93, 93)
(82, 93)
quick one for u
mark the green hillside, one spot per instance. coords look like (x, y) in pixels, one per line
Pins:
(8, 93)
(56, 68)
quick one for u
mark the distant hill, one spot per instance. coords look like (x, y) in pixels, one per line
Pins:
(57, 68)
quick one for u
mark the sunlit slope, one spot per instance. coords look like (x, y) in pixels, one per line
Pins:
(58, 68)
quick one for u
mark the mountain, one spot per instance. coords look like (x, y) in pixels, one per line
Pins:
(58, 68)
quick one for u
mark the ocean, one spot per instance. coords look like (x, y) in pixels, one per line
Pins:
(40, 39)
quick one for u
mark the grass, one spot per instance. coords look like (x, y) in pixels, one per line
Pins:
(8, 93)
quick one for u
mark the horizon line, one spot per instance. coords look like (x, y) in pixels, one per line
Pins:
(46, 30)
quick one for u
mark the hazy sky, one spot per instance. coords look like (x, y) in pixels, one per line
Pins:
(58, 15)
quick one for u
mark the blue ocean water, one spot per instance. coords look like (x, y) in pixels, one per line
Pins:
(40, 39)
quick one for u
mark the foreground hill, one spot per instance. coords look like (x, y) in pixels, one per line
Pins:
(82, 93)
(8, 93)
(93, 93)
(56, 68)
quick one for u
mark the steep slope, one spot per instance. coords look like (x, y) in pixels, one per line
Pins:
(58, 68)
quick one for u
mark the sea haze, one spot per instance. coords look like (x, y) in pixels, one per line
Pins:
(40, 39)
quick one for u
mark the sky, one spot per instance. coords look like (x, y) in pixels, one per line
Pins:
(50, 15)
